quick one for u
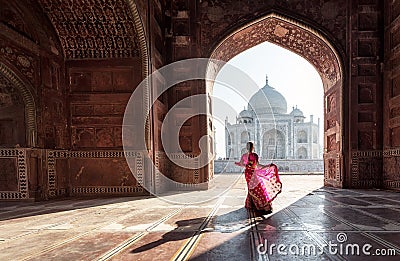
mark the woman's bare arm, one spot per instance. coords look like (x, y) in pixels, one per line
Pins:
(240, 163)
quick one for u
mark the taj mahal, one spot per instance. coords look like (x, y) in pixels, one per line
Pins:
(277, 135)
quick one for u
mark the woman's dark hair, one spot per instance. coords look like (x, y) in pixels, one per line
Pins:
(250, 146)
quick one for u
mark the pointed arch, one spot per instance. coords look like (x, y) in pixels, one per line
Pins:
(26, 91)
(320, 52)
(144, 54)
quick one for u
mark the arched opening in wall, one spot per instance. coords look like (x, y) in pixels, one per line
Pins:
(273, 145)
(321, 54)
(12, 116)
(17, 111)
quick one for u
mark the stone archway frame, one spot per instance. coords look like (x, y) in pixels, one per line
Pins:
(317, 50)
(144, 55)
(144, 47)
(26, 91)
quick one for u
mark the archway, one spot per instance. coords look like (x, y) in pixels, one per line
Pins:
(18, 98)
(317, 50)
(273, 145)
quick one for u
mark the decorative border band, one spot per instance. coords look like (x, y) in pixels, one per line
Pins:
(22, 192)
(53, 155)
(391, 152)
(106, 190)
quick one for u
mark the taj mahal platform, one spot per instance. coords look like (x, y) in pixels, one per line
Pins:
(305, 215)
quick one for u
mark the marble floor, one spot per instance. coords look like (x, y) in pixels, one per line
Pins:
(309, 222)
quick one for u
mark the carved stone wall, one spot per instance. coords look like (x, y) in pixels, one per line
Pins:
(81, 109)
(365, 94)
(13, 174)
(98, 94)
(12, 115)
(218, 18)
(85, 173)
(93, 29)
(391, 123)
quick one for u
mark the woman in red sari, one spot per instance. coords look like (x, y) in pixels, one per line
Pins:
(263, 181)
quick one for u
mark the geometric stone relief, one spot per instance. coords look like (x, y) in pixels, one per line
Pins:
(25, 63)
(331, 168)
(365, 169)
(331, 143)
(182, 160)
(22, 175)
(54, 155)
(93, 29)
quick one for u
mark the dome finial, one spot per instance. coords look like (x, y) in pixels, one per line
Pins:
(266, 79)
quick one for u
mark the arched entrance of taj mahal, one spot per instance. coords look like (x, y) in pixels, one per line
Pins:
(326, 59)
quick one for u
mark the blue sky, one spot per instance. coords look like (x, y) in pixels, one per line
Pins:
(290, 74)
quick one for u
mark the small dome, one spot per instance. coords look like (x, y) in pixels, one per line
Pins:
(267, 99)
(246, 114)
(297, 113)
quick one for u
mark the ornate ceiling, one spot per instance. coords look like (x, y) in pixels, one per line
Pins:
(93, 29)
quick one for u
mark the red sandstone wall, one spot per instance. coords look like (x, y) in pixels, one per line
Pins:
(391, 126)
(354, 28)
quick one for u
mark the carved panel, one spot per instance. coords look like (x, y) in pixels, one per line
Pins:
(366, 167)
(331, 103)
(25, 63)
(95, 172)
(93, 29)
(17, 157)
(102, 80)
(391, 174)
(331, 168)
(366, 93)
(8, 174)
(331, 143)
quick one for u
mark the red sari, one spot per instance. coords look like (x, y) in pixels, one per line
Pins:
(263, 184)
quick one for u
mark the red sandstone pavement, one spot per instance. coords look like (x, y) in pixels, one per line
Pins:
(220, 229)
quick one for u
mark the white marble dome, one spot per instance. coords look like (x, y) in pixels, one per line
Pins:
(246, 114)
(297, 112)
(267, 99)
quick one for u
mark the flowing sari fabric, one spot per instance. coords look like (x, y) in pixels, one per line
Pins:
(263, 184)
